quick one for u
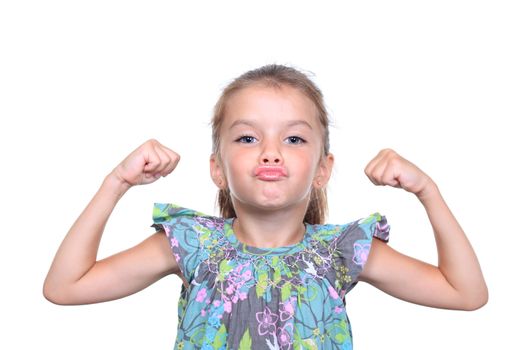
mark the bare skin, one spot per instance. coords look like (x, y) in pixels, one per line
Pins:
(457, 282)
(270, 127)
(77, 277)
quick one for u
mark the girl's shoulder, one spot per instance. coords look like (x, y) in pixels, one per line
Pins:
(178, 218)
(373, 225)
(193, 236)
(192, 225)
(164, 212)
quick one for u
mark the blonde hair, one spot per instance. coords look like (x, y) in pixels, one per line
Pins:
(275, 76)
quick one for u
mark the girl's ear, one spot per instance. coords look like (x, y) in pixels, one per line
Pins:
(216, 172)
(324, 171)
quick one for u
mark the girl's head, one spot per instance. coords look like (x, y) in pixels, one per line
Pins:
(273, 116)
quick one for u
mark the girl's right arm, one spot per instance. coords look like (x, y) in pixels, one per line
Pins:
(75, 276)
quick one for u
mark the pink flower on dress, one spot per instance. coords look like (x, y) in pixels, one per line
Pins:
(267, 321)
(338, 309)
(201, 295)
(287, 311)
(247, 275)
(333, 293)
(228, 306)
(230, 289)
(174, 242)
(284, 336)
(361, 253)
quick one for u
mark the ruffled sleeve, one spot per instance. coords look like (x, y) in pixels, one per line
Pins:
(179, 225)
(353, 246)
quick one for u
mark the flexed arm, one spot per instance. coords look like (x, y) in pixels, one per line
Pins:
(457, 282)
(75, 276)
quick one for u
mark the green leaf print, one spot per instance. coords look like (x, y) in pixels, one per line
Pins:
(157, 212)
(371, 218)
(301, 289)
(297, 341)
(300, 293)
(262, 284)
(310, 344)
(220, 338)
(204, 234)
(303, 344)
(338, 285)
(285, 291)
(285, 270)
(228, 231)
(225, 267)
(277, 276)
(321, 235)
(246, 341)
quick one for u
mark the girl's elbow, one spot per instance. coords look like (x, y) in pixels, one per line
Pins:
(55, 295)
(51, 296)
(478, 301)
(473, 306)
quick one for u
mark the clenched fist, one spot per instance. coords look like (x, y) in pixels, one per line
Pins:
(146, 164)
(389, 168)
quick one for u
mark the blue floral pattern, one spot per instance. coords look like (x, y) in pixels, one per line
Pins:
(243, 297)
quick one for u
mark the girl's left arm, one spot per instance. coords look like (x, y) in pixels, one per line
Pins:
(457, 282)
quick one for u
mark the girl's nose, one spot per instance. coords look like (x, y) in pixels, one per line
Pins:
(271, 156)
(270, 160)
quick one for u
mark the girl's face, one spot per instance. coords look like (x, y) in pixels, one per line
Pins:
(270, 149)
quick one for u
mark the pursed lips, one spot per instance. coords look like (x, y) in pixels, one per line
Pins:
(270, 172)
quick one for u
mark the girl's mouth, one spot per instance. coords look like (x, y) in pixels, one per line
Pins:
(270, 172)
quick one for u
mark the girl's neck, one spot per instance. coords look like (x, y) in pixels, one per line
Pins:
(269, 229)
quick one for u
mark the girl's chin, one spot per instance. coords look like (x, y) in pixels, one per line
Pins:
(271, 203)
(270, 198)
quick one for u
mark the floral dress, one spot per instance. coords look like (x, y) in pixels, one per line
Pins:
(243, 297)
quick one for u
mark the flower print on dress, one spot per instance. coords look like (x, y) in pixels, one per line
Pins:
(281, 297)
(209, 223)
(361, 251)
(333, 293)
(285, 336)
(201, 295)
(286, 309)
(374, 225)
(238, 282)
(338, 309)
(267, 320)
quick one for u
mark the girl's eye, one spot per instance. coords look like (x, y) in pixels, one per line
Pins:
(295, 140)
(246, 139)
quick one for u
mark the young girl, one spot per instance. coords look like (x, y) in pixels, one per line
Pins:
(268, 273)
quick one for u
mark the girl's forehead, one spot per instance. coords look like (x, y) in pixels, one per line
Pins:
(268, 104)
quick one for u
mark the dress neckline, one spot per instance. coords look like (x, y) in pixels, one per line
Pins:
(247, 250)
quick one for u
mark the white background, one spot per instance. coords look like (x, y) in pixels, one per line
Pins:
(82, 84)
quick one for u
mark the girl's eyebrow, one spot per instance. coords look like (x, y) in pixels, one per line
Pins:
(299, 122)
(241, 122)
(254, 124)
